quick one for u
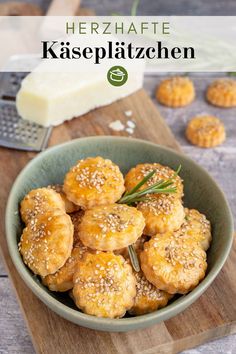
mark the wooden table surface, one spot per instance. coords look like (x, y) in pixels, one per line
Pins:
(220, 162)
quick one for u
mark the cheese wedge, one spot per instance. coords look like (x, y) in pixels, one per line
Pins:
(50, 98)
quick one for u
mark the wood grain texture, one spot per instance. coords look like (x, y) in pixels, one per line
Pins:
(213, 315)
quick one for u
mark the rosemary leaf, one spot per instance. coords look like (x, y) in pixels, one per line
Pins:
(177, 171)
(134, 258)
(134, 8)
(136, 195)
(141, 183)
(163, 187)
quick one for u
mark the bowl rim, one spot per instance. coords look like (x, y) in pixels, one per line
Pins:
(106, 324)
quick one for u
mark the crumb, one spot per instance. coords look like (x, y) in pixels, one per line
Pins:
(129, 130)
(128, 113)
(131, 124)
(117, 126)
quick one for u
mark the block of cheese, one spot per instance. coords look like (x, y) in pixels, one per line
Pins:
(51, 98)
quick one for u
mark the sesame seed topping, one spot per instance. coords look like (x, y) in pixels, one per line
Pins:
(146, 289)
(97, 174)
(161, 205)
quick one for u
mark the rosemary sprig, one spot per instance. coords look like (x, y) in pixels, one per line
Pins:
(136, 195)
(140, 184)
(134, 8)
(133, 258)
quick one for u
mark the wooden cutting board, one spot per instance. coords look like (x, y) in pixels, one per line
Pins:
(212, 316)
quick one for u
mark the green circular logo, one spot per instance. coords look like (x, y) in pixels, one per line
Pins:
(117, 75)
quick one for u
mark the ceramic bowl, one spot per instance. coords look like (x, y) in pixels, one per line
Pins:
(201, 192)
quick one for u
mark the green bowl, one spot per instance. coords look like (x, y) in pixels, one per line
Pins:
(201, 192)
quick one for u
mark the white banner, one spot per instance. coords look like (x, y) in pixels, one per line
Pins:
(85, 44)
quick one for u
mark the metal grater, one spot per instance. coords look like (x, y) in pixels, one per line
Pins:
(15, 132)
